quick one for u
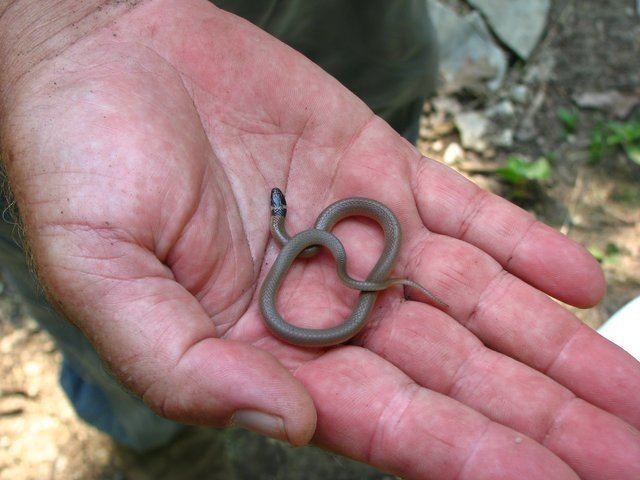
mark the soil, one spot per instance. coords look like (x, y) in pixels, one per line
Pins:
(590, 45)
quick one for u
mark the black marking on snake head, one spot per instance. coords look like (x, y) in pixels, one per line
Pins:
(278, 203)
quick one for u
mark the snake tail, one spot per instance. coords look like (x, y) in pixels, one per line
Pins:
(417, 286)
(366, 286)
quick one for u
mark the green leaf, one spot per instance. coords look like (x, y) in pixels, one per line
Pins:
(633, 152)
(519, 170)
(611, 249)
(597, 147)
(596, 252)
(610, 135)
(568, 118)
(610, 254)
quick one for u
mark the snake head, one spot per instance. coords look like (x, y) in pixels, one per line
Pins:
(278, 203)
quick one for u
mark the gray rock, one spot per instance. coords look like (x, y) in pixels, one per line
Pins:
(527, 131)
(503, 109)
(446, 104)
(503, 138)
(473, 128)
(611, 101)
(542, 70)
(436, 125)
(454, 153)
(519, 93)
(469, 56)
(518, 23)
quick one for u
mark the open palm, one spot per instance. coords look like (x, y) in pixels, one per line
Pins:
(144, 192)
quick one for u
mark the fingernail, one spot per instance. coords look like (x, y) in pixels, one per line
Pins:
(270, 425)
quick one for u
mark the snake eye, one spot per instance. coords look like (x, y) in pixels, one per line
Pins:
(278, 203)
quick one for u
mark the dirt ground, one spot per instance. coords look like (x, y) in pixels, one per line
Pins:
(590, 45)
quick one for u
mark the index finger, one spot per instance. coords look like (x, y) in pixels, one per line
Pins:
(451, 205)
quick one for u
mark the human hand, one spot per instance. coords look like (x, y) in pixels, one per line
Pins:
(142, 155)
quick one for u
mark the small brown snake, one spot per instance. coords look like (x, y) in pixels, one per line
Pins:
(305, 244)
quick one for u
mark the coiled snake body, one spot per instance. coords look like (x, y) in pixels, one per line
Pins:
(305, 244)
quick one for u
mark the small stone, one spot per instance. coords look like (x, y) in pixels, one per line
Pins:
(425, 132)
(447, 105)
(31, 325)
(49, 346)
(504, 109)
(32, 368)
(503, 139)
(519, 93)
(489, 153)
(542, 70)
(527, 131)
(473, 127)
(443, 128)
(32, 390)
(12, 340)
(454, 153)
(612, 101)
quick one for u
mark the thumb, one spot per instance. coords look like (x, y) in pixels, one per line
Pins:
(218, 383)
(160, 343)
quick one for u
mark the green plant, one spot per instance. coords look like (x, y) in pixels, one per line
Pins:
(519, 170)
(568, 118)
(610, 254)
(610, 135)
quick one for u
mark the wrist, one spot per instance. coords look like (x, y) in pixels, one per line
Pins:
(31, 32)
